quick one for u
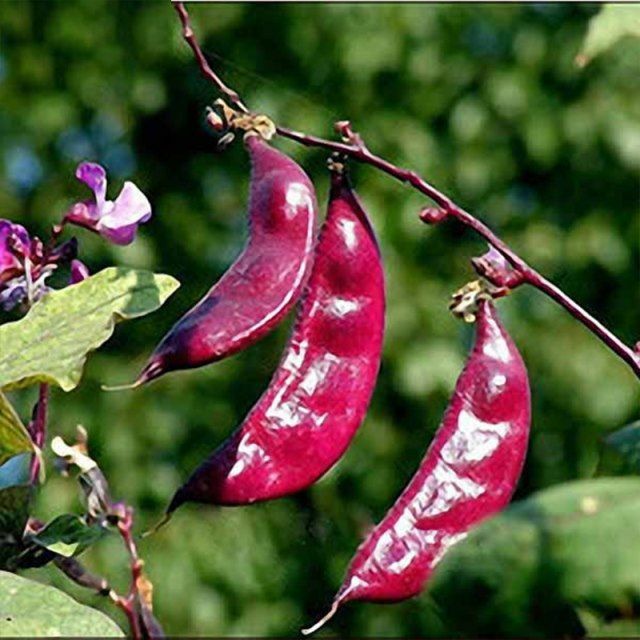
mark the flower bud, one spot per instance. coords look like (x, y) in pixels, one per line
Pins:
(497, 270)
(432, 215)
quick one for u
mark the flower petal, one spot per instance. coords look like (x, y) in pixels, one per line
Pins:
(7, 227)
(8, 230)
(84, 214)
(121, 235)
(12, 293)
(79, 271)
(131, 206)
(95, 177)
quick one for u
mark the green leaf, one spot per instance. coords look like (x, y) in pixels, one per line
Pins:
(68, 535)
(597, 628)
(14, 513)
(613, 22)
(14, 509)
(14, 438)
(31, 609)
(15, 471)
(531, 570)
(51, 343)
(626, 442)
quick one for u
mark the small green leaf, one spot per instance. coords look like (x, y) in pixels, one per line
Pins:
(613, 22)
(14, 513)
(14, 438)
(33, 610)
(626, 442)
(68, 535)
(51, 343)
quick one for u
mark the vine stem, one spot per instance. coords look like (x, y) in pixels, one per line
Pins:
(354, 147)
(38, 430)
(130, 604)
(129, 610)
(76, 572)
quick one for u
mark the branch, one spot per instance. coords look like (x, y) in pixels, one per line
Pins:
(191, 40)
(354, 147)
(38, 429)
(529, 275)
(137, 604)
(76, 571)
(131, 604)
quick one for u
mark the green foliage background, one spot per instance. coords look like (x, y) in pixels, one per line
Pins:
(486, 101)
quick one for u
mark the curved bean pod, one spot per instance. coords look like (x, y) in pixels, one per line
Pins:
(469, 473)
(320, 392)
(266, 280)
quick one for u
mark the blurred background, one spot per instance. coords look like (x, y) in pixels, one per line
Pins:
(485, 101)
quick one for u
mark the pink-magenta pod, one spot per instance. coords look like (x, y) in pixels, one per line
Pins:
(320, 392)
(266, 280)
(469, 473)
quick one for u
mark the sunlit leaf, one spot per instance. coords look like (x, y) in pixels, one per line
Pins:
(51, 343)
(68, 535)
(14, 438)
(613, 22)
(34, 610)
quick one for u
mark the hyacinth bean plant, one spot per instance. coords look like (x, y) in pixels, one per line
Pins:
(56, 312)
(26, 263)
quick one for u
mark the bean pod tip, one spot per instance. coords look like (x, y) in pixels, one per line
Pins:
(320, 623)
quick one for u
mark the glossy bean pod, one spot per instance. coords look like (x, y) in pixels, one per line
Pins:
(469, 472)
(265, 281)
(320, 392)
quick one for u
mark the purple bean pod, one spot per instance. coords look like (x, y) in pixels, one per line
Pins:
(266, 280)
(320, 392)
(469, 473)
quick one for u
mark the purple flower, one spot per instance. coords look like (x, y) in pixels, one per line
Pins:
(24, 288)
(116, 220)
(79, 272)
(13, 293)
(15, 245)
(18, 253)
(26, 263)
